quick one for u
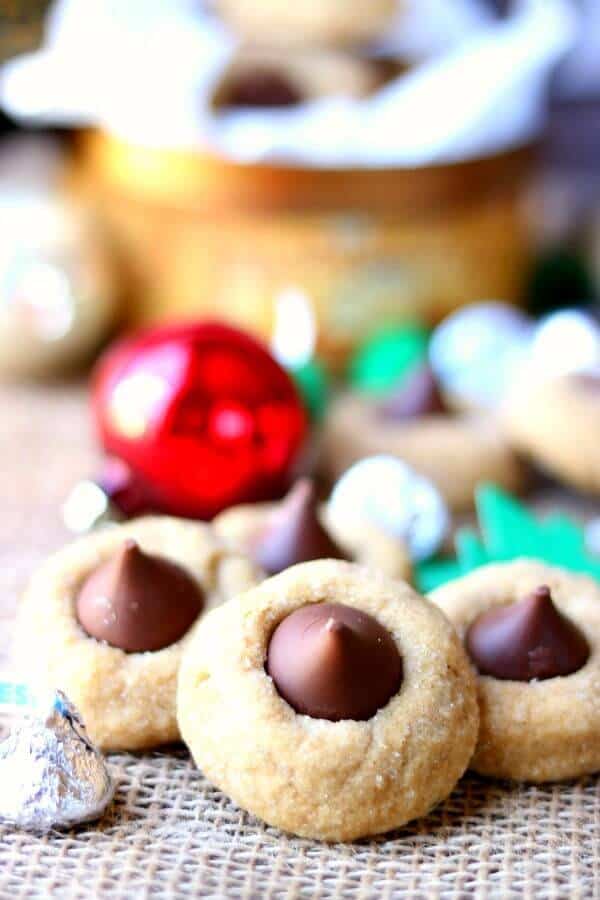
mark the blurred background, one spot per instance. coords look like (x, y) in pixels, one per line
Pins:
(310, 175)
(353, 183)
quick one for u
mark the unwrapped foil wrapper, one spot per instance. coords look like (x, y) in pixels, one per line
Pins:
(51, 775)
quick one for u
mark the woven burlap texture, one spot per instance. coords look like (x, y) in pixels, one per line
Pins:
(170, 834)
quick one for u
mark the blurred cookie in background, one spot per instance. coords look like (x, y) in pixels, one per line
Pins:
(21, 26)
(273, 79)
(315, 22)
(59, 290)
(455, 452)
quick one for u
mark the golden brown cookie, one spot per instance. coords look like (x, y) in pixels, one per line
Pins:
(556, 422)
(312, 22)
(298, 529)
(547, 727)
(362, 746)
(456, 452)
(260, 78)
(127, 698)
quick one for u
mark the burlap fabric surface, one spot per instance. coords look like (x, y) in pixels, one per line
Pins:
(170, 834)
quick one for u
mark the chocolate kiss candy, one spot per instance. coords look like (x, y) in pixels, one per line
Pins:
(138, 602)
(590, 381)
(330, 661)
(294, 533)
(51, 776)
(418, 395)
(262, 88)
(530, 639)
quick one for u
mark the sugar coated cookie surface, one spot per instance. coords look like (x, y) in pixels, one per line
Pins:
(299, 763)
(556, 422)
(533, 632)
(312, 22)
(106, 620)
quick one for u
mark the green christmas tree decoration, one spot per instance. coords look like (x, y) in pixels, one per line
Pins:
(507, 531)
(387, 357)
(469, 549)
(312, 382)
(436, 572)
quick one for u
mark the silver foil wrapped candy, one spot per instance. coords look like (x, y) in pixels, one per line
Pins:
(386, 492)
(51, 776)
(565, 343)
(476, 351)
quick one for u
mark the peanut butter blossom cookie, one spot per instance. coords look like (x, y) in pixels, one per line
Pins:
(107, 618)
(311, 22)
(532, 632)
(272, 79)
(455, 451)
(556, 422)
(298, 529)
(330, 701)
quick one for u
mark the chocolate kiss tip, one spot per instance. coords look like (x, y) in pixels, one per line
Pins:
(530, 639)
(138, 602)
(129, 556)
(330, 661)
(293, 533)
(262, 88)
(417, 395)
(129, 562)
(332, 626)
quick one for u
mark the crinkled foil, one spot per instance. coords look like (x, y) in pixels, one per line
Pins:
(51, 776)
(477, 350)
(384, 490)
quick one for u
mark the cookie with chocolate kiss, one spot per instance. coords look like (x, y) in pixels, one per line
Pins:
(331, 701)
(527, 640)
(293, 533)
(261, 88)
(299, 529)
(260, 78)
(456, 451)
(330, 661)
(292, 27)
(532, 632)
(108, 617)
(138, 602)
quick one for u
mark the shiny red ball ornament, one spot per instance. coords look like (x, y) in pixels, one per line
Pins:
(202, 415)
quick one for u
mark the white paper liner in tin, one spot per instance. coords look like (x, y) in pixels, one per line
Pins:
(144, 70)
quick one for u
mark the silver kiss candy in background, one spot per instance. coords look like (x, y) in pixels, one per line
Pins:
(51, 776)
(476, 350)
(564, 343)
(386, 492)
(480, 349)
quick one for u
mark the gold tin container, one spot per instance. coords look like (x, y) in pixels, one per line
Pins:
(203, 236)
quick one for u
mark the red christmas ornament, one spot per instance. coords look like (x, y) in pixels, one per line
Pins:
(202, 415)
